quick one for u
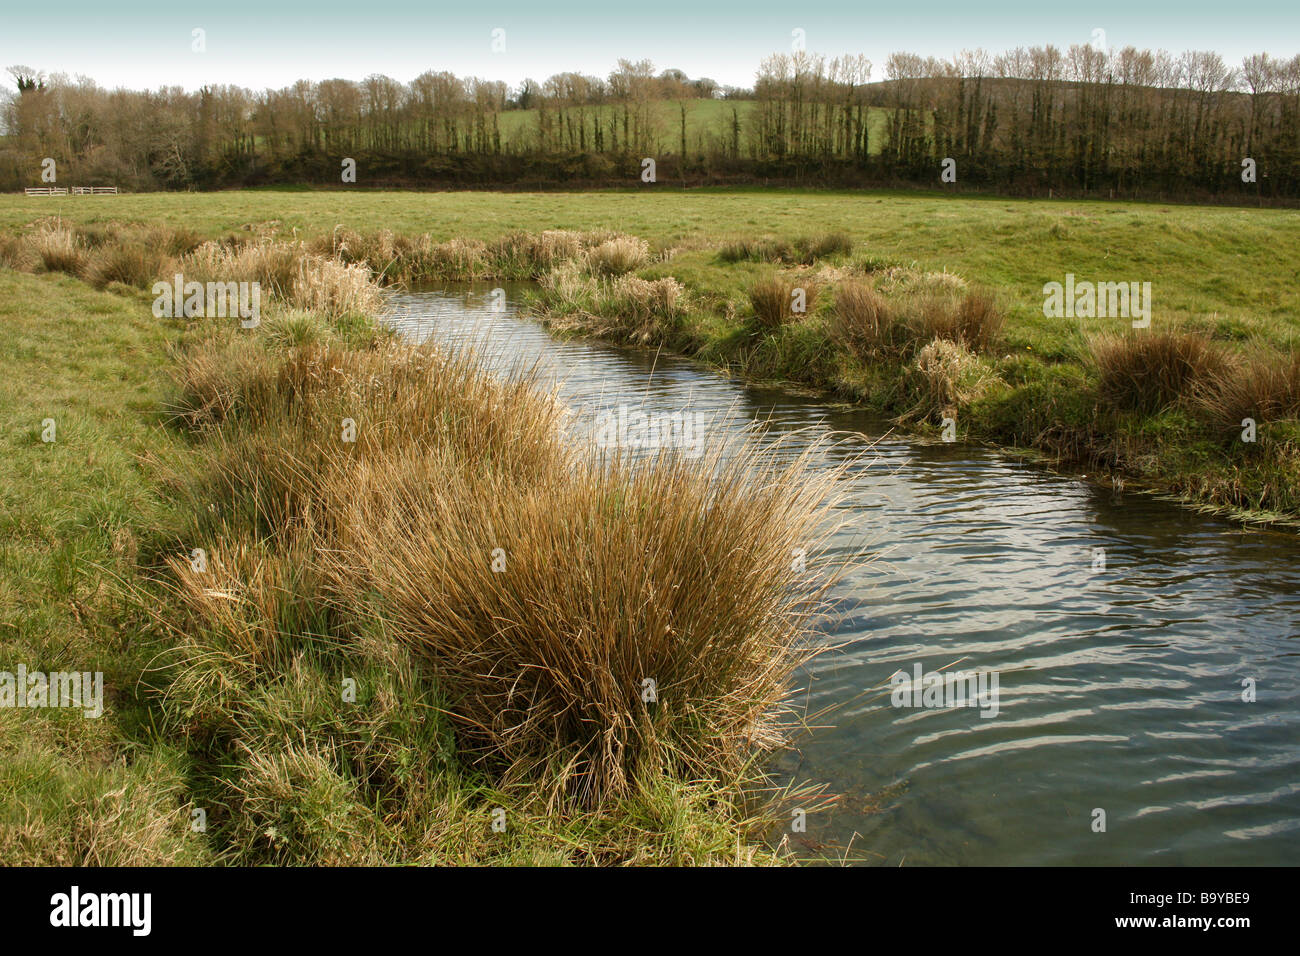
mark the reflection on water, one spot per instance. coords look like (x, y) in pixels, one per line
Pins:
(1120, 686)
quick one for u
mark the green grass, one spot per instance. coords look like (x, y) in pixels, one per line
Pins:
(1232, 274)
(233, 707)
(86, 522)
(1236, 270)
(707, 121)
(74, 515)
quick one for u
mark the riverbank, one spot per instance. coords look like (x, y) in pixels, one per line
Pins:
(1115, 622)
(1164, 408)
(347, 595)
(1183, 408)
(225, 686)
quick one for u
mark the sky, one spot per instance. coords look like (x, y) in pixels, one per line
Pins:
(269, 44)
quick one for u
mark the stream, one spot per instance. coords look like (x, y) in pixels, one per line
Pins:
(1120, 628)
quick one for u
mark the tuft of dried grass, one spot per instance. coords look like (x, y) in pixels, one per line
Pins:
(543, 608)
(16, 253)
(863, 321)
(245, 593)
(531, 255)
(911, 280)
(617, 256)
(454, 260)
(946, 375)
(644, 310)
(1263, 385)
(272, 264)
(59, 250)
(626, 308)
(973, 319)
(772, 300)
(757, 250)
(804, 250)
(174, 241)
(333, 289)
(824, 246)
(130, 263)
(1147, 370)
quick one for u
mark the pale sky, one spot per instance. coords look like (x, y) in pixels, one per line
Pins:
(258, 45)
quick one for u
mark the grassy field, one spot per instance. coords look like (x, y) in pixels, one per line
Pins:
(74, 512)
(222, 693)
(1229, 276)
(1237, 268)
(707, 121)
(228, 735)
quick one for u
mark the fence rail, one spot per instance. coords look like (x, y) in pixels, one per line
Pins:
(76, 190)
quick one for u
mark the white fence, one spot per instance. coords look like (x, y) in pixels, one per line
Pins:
(76, 190)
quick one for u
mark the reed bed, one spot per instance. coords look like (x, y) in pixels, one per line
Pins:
(626, 308)
(772, 301)
(1262, 385)
(1149, 370)
(872, 325)
(537, 585)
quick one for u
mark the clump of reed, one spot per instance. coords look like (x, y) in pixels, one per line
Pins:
(16, 253)
(804, 250)
(1262, 385)
(334, 289)
(243, 592)
(342, 243)
(972, 319)
(617, 256)
(537, 584)
(643, 310)
(871, 325)
(567, 292)
(863, 321)
(527, 255)
(389, 256)
(272, 264)
(1147, 370)
(221, 378)
(762, 249)
(98, 235)
(626, 308)
(824, 246)
(58, 249)
(133, 263)
(945, 376)
(774, 298)
(544, 608)
(174, 241)
(895, 280)
(456, 260)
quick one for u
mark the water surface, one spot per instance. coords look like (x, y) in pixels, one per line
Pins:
(1119, 689)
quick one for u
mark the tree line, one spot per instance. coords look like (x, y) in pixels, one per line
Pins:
(1082, 120)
